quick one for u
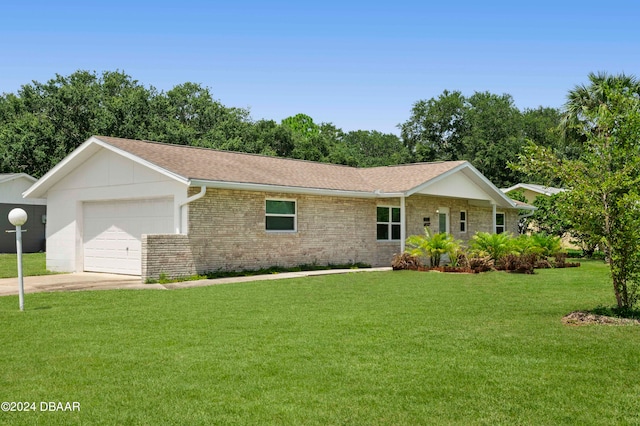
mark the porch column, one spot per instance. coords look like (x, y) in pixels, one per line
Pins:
(493, 218)
(403, 223)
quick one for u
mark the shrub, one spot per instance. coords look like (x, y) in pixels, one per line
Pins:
(481, 263)
(561, 261)
(521, 263)
(493, 245)
(402, 261)
(460, 259)
(432, 246)
(546, 245)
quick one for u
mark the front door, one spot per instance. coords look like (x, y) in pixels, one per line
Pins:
(443, 220)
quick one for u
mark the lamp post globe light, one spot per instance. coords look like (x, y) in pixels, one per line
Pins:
(18, 217)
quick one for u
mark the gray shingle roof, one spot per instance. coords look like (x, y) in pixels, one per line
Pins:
(195, 163)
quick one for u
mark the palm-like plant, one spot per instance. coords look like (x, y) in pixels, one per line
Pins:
(433, 246)
(546, 245)
(493, 245)
(584, 100)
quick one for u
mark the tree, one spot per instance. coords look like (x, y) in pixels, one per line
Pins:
(485, 129)
(584, 100)
(373, 148)
(436, 128)
(542, 126)
(494, 137)
(604, 197)
(44, 122)
(188, 115)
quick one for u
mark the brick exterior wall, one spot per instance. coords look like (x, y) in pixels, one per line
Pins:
(478, 218)
(227, 229)
(227, 232)
(168, 254)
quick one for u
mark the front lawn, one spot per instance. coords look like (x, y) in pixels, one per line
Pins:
(32, 264)
(367, 348)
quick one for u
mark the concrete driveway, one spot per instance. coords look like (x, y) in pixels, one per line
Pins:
(98, 281)
(72, 282)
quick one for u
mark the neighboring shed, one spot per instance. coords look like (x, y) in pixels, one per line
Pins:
(12, 185)
(145, 208)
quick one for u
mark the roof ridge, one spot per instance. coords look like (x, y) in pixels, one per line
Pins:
(419, 163)
(226, 151)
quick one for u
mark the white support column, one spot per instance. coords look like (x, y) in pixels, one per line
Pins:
(403, 223)
(493, 218)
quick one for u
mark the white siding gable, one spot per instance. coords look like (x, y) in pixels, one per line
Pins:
(457, 184)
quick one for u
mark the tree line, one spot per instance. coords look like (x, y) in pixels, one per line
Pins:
(43, 122)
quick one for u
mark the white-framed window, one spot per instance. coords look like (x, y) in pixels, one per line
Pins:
(281, 215)
(500, 223)
(463, 221)
(388, 223)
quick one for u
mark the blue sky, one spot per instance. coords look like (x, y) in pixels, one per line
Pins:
(359, 65)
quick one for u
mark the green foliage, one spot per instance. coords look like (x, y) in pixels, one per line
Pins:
(436, 128)
(372, 148)
(549, 218)
(517, 194)
(546, 245)
(282, 269)
(495, 134)
(605, 179)
(493, 245)
(433, 246)
(485, 129)
(44, 122)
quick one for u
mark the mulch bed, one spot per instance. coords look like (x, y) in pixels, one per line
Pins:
(586, 318)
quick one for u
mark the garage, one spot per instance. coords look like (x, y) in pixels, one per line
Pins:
(112, 232)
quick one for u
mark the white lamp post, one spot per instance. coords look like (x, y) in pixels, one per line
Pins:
(18, 217)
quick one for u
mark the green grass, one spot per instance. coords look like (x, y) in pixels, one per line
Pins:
(369, 348)
(32, 264)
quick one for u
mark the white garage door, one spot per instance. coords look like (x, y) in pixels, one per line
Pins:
(113, 232)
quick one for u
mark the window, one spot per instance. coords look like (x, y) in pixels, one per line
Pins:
(280, 215)
(388, 223)
(500, 223)
(463, 221)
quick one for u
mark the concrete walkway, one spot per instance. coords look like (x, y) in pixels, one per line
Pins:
(99, 281)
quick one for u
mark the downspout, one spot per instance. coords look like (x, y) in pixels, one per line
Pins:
(203, 191)
(531, 213)
(403, 223)
(493, 208)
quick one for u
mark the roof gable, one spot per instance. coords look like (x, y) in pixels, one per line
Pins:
(7, 177)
